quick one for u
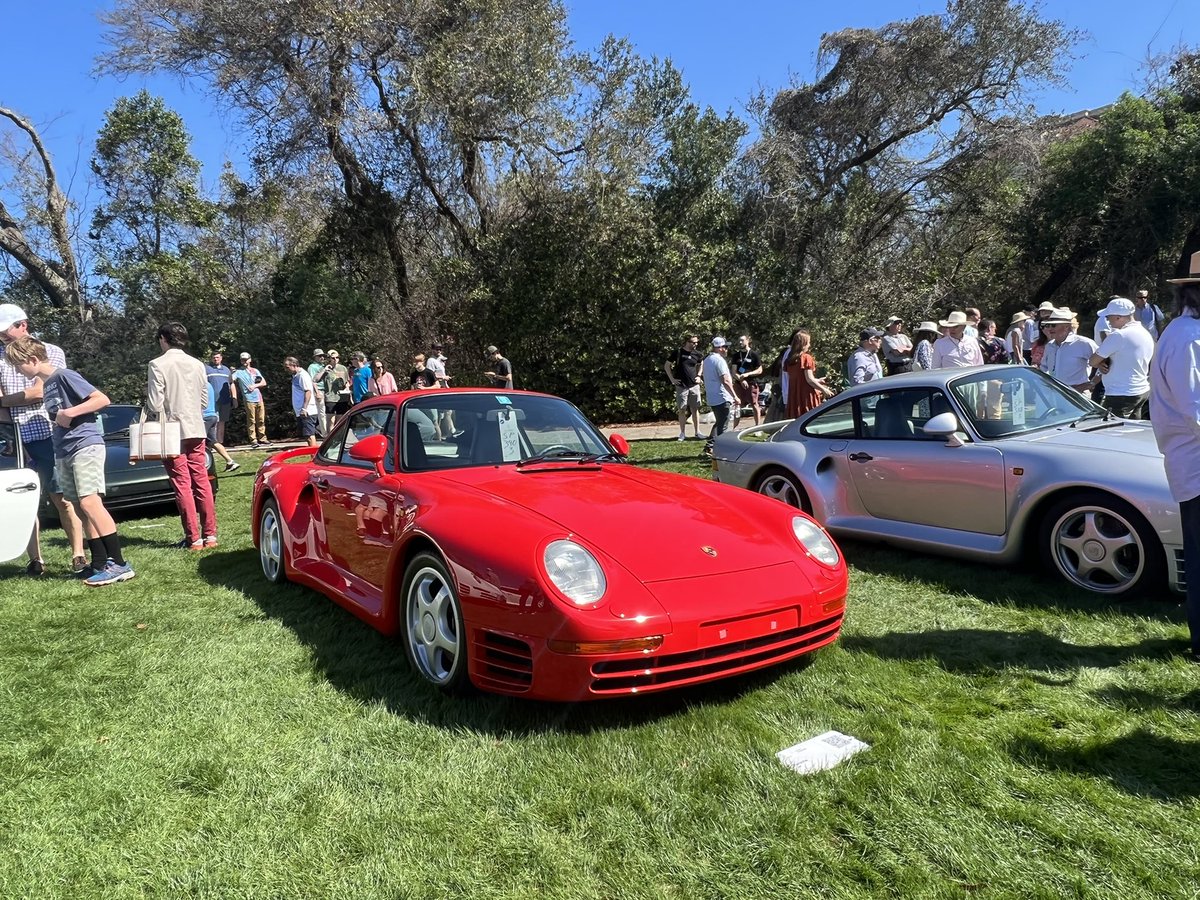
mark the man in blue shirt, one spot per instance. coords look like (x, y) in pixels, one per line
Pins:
(221, 380)
(360, 388)
(249, 384)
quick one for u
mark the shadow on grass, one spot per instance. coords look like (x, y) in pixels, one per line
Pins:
(978, 651)
(1140, 763)
(1023, 585)
(372, 667)
(1136, 700)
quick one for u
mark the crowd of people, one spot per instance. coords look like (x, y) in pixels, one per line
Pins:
(55, 410)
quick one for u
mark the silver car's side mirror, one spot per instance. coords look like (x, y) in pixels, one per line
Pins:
(944, 425)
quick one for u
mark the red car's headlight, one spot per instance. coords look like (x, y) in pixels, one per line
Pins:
(814, 539)
(574, 571)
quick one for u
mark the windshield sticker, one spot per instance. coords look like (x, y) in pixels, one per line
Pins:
(510, 436)
(1018, 403)
(504, 400)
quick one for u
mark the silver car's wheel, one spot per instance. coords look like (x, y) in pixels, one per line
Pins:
(1102, 544)
(270, 543)
(781, 485)
(434, 636)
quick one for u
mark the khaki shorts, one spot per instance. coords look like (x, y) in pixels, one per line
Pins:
(687, 399)
(82, 473)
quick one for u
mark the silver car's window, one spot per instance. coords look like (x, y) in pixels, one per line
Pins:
(835, 422)
(1016, 400)
(901, 415)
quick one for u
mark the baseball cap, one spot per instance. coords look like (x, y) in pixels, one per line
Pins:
(244, 355)
(1119, 306)
(10, 315)
(869, 333)
(318, 352)
(718, 342)
(492, 348)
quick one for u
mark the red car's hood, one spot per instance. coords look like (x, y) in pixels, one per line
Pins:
(656, 524)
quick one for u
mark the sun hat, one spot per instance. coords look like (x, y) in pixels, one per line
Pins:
(955, 318)
(1046, 306)
(1060, 315)
(1018, 318)
(931, 327)
(1119, 306)
(893, 319)
(1193, 274)
(10, 315)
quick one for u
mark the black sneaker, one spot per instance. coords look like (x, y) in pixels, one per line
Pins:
(231, 467)
(35, 569)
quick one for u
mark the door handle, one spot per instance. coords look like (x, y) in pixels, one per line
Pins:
(322, 484)
(21, 488)
(861, 457)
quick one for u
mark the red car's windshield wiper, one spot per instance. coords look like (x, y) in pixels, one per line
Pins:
(563, 454)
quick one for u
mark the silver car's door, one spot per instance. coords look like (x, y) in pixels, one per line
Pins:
(903, 475)
(20, 494)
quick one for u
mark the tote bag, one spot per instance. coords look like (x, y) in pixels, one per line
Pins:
(160, 439)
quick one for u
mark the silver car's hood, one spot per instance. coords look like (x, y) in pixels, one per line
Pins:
(1127, 437)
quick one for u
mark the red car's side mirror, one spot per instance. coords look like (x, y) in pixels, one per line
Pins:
(373, 449)
(619, 444)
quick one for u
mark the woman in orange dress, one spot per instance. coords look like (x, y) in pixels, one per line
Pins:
(805, 389)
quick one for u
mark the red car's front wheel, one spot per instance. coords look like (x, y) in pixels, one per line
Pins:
(434, 637)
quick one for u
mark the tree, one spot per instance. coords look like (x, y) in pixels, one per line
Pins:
(52, 268)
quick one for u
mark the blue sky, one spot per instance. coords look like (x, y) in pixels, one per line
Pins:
(726, 52)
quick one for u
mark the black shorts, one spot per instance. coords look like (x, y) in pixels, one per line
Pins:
(308, 426)
(342, 406)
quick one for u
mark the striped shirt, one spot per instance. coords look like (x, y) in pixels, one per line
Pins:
(33, 419)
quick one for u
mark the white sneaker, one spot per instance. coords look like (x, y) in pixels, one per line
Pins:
(682, 437)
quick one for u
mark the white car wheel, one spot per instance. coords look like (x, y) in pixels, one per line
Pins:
(434, 636)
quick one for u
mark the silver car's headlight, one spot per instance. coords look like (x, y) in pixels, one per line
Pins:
(574, 571)
(815, 541)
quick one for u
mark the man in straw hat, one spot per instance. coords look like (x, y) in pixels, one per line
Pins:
(954, 349)
(1175, 414)
(1068, 353)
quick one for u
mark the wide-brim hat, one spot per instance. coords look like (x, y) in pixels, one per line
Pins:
(1046, 306)
(931, 327)
(955, 319)
(1193, 275)
(893, 319)
(1018, 318)
(1060, 315)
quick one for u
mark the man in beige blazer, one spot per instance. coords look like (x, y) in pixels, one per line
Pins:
(177, 388)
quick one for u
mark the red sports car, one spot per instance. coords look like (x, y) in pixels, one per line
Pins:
(509, 545)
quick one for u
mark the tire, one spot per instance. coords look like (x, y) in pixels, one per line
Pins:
(432, 625)
(781, 484)
(1102, 544)
(271, 550)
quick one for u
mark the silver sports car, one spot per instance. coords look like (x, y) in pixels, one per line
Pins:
(986, 463)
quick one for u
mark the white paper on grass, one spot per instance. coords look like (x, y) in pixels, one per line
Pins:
(821, 752)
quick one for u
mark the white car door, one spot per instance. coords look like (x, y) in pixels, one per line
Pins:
(20, 495)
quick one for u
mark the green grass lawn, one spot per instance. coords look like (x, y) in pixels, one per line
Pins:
(198, 732)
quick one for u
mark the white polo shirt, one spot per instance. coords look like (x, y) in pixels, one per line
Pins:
(1175, 404)
(1071, 359)
(951, 354)
(1128, 351)
(715, 370)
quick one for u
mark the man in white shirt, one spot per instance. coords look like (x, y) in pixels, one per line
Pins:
(1123, 360)
(718, 389)
(1068, 363)
(955, 349)
(1175, 413)
(973, 318)
(304, 400)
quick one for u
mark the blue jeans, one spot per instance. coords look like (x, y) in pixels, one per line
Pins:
(1189, 516)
